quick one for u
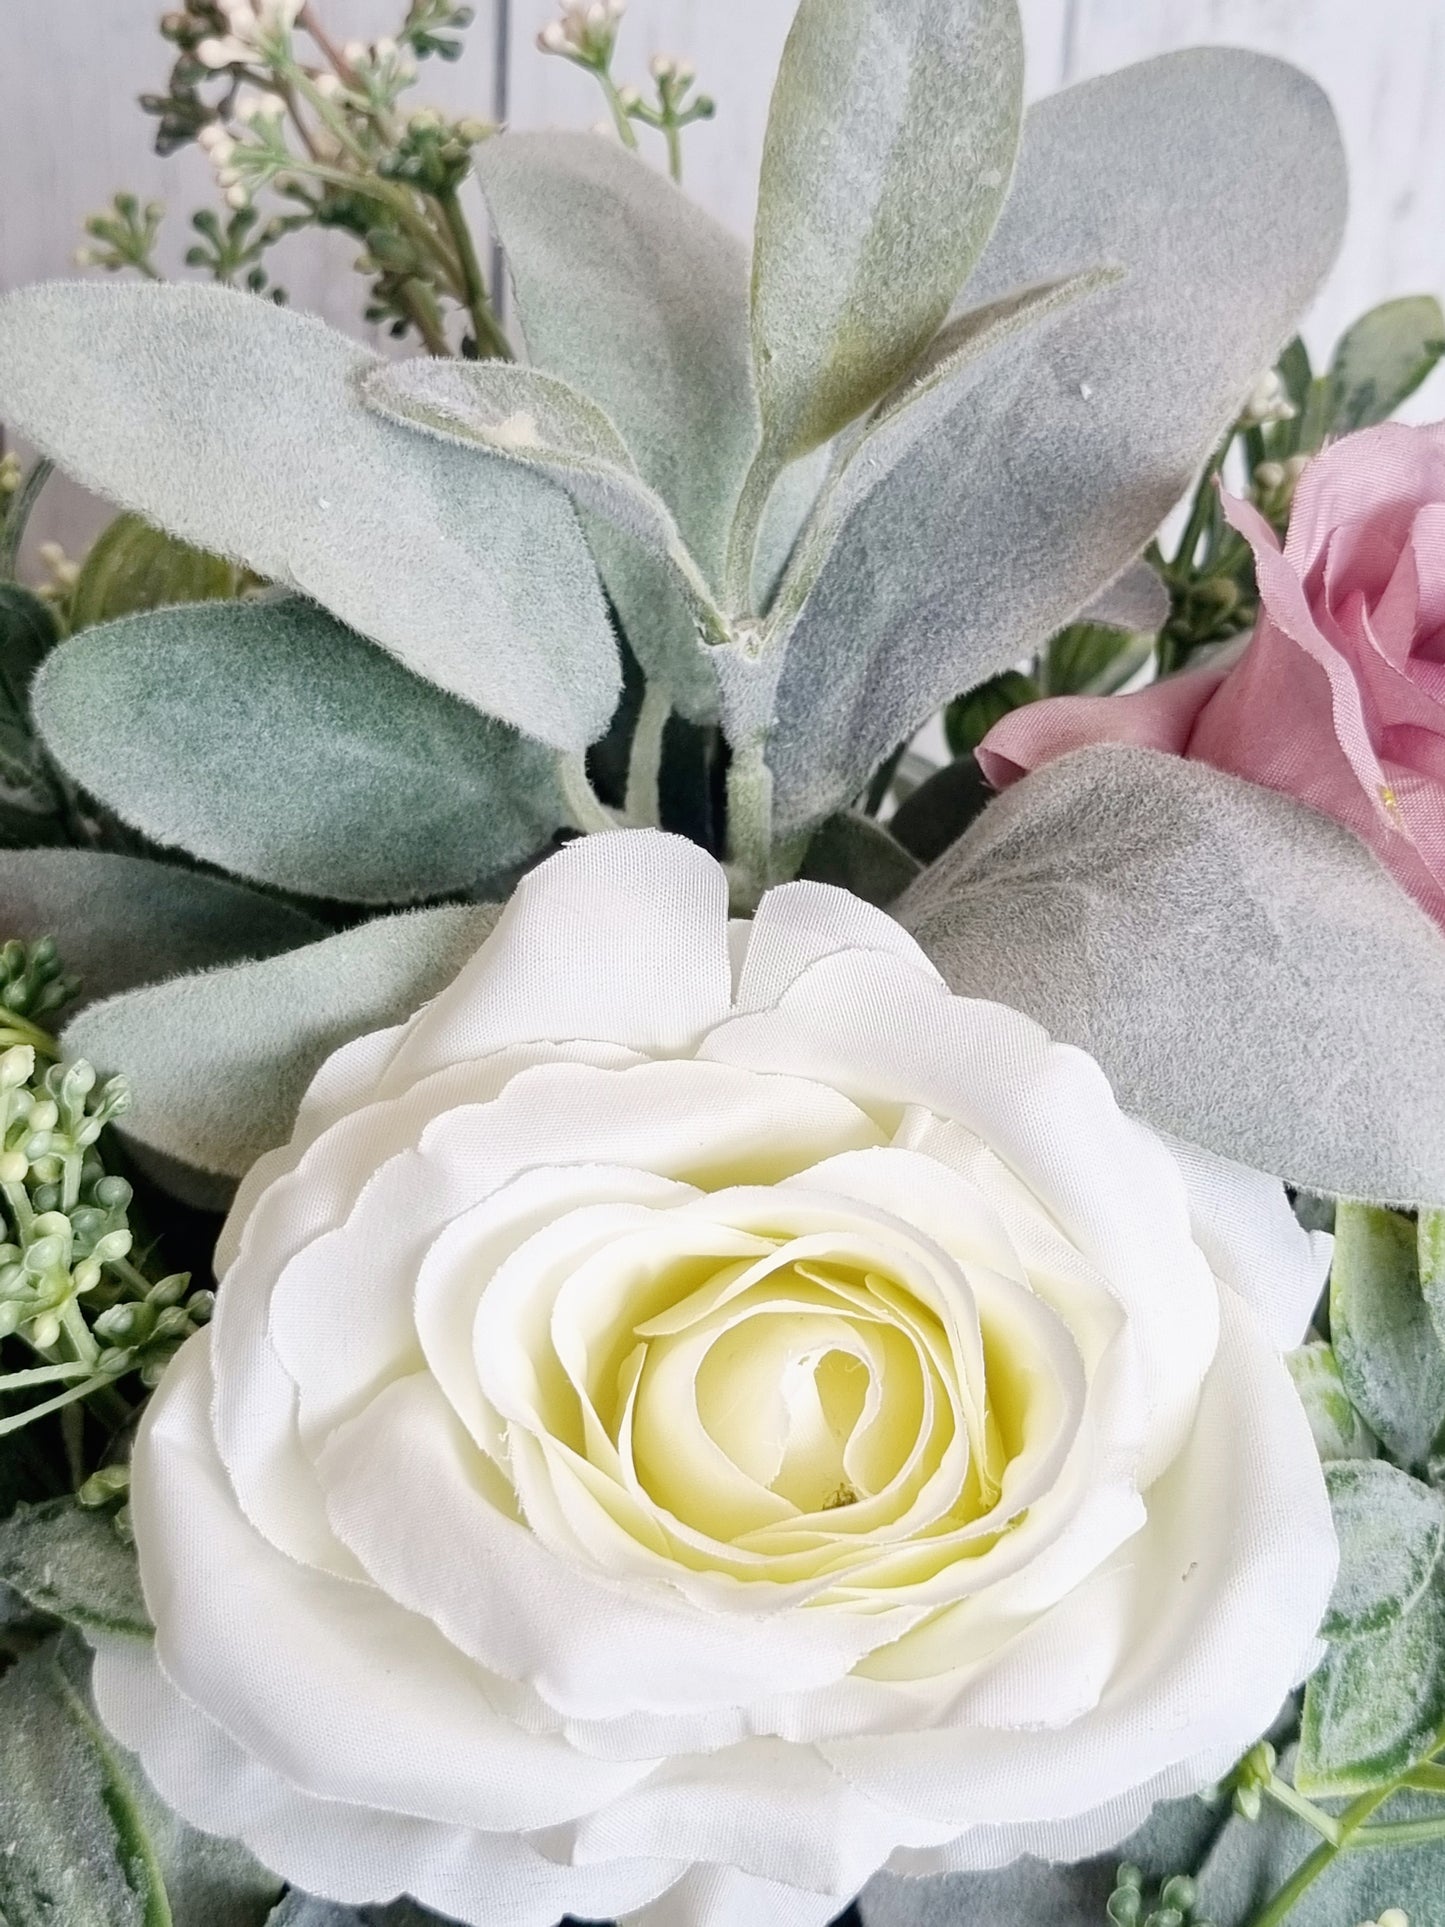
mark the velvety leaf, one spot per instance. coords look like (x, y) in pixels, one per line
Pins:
(76, 1850)
(210, 1882)
(119, 921)
(1389, 1356)
(1430, 1258)
(74, 1565)
(133, 566)
(1377, 1704)
(1224, 206)
(267, 739)
(217, 1063)
(858, 854)
(1339, 1431)
(164, 398)
(917, 408)
(1217, 947)
(938, 812)
(27, 636)
(1391, 1530)
(890, 144)
(1137, 600)
(640, 301)
(540, 423)
(968, 719)
(1383, 359)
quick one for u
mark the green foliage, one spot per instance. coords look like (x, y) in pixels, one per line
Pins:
(133, 566)
(1391, 1530)
(968, 719)
(31, 800)
(75, 1565)
(1094, 659)
(938, 812)
(884, 113)
(1224, 207)
(1122, 897)
(1339, 1431)
(857, 854)
(1389, 1356)
(1377, 1704)
(268, 739)
(217, 1063)
(475, 575)
(1377, 365)
(123, 920)
(659, 342)
(77, 1853)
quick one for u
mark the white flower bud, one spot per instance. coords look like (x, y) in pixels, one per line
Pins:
(211, 135)
(1268, 402)
(553, 38)
(628, 98)
(238, 196)
(17, 1066)
(328, 86)
(598, 16)
(13, 1167)
(219, 53)
(385, 48)
(355, 53)
(662, 66)
(1270, 476)
(1394, 1917)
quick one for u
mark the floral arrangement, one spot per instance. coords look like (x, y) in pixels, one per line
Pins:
(790, 1323)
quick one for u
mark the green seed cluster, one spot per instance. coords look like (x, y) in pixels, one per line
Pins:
(1127, 1906)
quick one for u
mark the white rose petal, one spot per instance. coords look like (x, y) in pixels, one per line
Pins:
(699, 1414)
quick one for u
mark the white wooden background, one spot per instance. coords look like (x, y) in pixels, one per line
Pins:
(70, 134)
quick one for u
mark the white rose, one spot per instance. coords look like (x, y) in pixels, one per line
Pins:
(688, 1423)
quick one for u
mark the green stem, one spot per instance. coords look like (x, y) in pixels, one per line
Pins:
(1200, 510)
(17, 1419)
(747, 525)
(492, 344)
(586, 808)
(13, 527)
(626, 132)
(1398, 1833)
(15, 1029)
(82, 1343)
(644, 767)
(750, 825)
(1324, 1824)
(672, 133)
(1323, 1857)
(43, 1375)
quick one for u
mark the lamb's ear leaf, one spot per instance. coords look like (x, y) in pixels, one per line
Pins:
(269, 740)
(1384, 1338)
(916, 407)
(73, 1564)
(890, 143)
(1391, 1530)
(71, 1821)
(1217, 948)
(217, 1063)
(119, 921)
(1376, 1705)
(857, 854)
(543, 424)
(1382, 359)
(1224, 208)
(659, 341)
(165, 399)
(1339, 1431)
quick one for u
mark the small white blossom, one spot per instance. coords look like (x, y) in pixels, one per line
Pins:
(1268, 402)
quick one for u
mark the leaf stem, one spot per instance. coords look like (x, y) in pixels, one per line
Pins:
(13, 527)
(750, 825)
(586, 808)
(644, 768)
(97, 1382)
(747, 525)
(1308, 1872)
(492, 344)
(626, 132)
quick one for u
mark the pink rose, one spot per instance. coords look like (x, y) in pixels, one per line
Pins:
(1339, 698)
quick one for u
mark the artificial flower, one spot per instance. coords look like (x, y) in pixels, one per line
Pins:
(1339, 698)
(701, 1413)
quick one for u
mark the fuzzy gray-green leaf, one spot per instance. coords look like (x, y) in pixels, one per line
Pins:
(539, 422)
(217, 1063)
(890, 144)
(1377, 1704)
(119, 921)
(857, 854)
(74, 1565)
(239, 426)
(267, 739)
(76, 1853)
(1127, 899)
(1338, 1430)
(1391, 1529)
(1382, 360)
(640, 301)
(1215, 179)
(1384, 1338)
